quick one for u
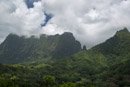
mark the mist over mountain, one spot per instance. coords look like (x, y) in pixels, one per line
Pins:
(64, 43)
(91, 22)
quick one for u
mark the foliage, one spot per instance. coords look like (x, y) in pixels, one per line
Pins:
(19, 49)
(105, 65)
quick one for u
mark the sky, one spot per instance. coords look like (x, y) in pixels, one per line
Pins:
(91, 21)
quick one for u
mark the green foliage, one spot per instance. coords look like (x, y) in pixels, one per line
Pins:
(69, 84)
(49, 81)
(16, 49)
(117, 48)
(105, 65)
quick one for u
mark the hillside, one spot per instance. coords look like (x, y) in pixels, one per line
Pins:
(18, 49)
(117, 48)
(105, 65)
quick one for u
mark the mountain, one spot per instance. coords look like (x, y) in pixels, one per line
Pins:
(17, 49)
(104, 65)
(116, 48)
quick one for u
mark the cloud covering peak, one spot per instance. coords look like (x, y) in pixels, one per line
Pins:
(91, 21)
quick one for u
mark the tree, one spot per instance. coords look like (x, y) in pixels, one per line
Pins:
(49, 81)
(84, 47)
(69, 84)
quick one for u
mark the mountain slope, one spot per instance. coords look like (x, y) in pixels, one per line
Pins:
(16, 49)
(116, 48)
(105, 65)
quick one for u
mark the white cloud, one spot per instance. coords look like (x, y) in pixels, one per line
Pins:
(91, 21)
(17, 18)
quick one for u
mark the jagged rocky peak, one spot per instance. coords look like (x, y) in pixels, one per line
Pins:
(43, 36)
(124, 33)
(67, 45)
(13, 39)
(67, 34)
(125, 30)
(116, 44)
(47, 46)
(11, 35)
(84, 47)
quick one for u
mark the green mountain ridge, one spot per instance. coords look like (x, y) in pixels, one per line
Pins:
(104, 65)
(16, 49)
(117, 47)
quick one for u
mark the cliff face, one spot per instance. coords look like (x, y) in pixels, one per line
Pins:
(17, 49)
